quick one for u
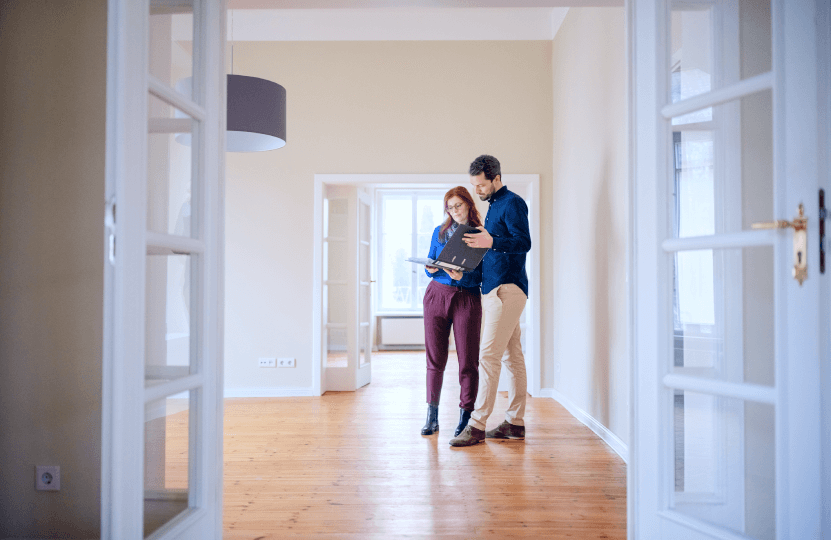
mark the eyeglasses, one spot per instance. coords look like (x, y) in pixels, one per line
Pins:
(454, 207)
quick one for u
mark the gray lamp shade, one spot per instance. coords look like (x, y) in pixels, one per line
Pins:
(256, 114)
(256, 118)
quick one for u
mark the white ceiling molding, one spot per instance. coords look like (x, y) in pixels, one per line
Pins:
(557, 18)
(403, 24)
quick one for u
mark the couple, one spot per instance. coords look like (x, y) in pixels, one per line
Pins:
(453, 298)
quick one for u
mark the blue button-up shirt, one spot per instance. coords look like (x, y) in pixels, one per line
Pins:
(470, 280)
(507, 222)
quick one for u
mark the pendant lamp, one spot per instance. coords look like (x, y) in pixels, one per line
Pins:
(256, 118)
(256, 114)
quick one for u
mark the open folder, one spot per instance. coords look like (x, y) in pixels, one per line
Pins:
(456, 255)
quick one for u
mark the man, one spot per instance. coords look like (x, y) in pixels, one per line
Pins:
(504, 294)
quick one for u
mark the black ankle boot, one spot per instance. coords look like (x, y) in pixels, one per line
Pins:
(464, 416)
(432, 425)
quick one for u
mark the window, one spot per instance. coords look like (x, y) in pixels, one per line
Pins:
(406, 219)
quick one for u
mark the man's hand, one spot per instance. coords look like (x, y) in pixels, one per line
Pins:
(482, 239)
(431, 269)
(455, 274)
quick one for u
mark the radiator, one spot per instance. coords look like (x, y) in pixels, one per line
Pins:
(400, 331)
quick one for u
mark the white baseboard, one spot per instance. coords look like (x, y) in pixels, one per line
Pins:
(270, 391)
(590, 422)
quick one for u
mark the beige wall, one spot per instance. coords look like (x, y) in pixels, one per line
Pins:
(52, 132)
(590, 361)
(366, 107)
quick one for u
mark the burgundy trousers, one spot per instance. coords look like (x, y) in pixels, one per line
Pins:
(446, 306)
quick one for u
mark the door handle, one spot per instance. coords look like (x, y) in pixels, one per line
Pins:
(800, 241)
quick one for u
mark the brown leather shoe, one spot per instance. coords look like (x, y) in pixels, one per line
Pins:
(506, 430)
(468, 437)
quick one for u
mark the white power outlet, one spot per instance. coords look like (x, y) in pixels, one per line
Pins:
(285, 362)
(267, 362)
(47, 478)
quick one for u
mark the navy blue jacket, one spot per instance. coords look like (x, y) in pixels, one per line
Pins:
(469, 280)
(507, 222)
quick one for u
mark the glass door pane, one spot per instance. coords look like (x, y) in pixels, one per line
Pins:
(335, 283)
(170, 194)
(724, 462)
(723, 322)
(714, 44)
(364, 279)
(168, 328)
(171, 41)
(167, 451)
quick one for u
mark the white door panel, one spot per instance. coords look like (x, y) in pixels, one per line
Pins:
(346, 287)
(162, 387)
(726, 398)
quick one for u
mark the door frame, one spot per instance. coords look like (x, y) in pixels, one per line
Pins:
(824, 139)
(530, 181)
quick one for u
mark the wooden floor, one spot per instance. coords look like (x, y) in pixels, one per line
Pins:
(354, 465)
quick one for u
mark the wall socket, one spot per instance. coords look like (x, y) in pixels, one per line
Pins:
(267, 362)
(47, 477)
(285, 362)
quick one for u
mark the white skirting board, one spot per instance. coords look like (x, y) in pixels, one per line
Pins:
(270, 391)
(590, 422)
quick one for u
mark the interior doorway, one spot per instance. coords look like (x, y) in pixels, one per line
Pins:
(332, 296)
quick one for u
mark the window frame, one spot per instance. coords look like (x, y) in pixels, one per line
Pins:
(413, 194)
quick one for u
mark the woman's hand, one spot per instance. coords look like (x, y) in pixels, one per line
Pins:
(431, 269)
(455, 274)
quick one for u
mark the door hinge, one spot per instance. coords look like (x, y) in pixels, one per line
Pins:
(822, 214)
(109, 222)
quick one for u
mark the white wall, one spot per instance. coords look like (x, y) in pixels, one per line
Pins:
(365, 107)
(52, 133)
(589, 369)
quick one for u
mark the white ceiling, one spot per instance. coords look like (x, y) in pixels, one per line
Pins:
(386, 4)
(399, 20)
(403, 24)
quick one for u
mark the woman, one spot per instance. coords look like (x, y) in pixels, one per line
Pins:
(452, 299)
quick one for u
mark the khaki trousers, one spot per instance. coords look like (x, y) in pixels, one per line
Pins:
(501, 310)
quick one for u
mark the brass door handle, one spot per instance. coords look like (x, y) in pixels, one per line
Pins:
(800, 241)
(778, 224)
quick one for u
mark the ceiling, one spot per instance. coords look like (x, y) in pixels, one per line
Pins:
(392, 20)
(392, 4)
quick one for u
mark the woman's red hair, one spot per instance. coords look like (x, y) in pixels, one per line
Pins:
(473, 218)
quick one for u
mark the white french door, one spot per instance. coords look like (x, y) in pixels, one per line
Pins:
(726, 439)
(346, 288)
(363, 284)
(162, 371)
